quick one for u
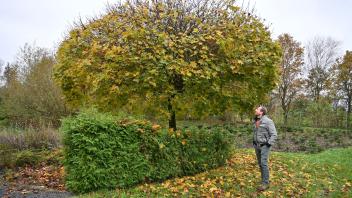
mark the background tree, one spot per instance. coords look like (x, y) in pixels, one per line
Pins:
(321, 55)
(207, 54)
(2, 63)
(291, 63)
(29, 94)
(343, 81)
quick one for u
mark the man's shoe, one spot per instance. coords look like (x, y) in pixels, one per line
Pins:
(263, 187)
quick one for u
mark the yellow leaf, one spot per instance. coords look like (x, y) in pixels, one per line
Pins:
(178, 133)
(193, 64)
(213, 189)
(155, 127)
(152, 83)
(140, 130)
(268, 193)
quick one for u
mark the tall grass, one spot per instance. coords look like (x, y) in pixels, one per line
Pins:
(30, 138)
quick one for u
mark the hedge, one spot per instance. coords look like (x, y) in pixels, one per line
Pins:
(104, 152)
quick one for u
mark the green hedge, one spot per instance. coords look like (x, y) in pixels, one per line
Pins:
(105, 152)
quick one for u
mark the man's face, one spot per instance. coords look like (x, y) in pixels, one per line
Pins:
(258, 111)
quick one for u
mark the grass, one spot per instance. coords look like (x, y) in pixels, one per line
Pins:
(331, 169)
(29, 138)
(327, 174)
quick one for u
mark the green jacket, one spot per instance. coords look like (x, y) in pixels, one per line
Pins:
(266, 131)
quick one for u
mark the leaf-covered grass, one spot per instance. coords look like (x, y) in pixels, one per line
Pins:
(43, 169)
(331, 169)
(327, 174)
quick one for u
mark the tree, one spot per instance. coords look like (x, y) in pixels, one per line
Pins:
(30, 96)
(207, 54)
(28, 56)
(291, 63)
(1, 64)
(321, 55)
(343, 81)
(1, 95)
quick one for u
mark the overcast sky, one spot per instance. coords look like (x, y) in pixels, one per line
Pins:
(44, 22)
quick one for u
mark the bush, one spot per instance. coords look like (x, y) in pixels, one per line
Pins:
(204, 149)
(27, 158)
(11, 158)
(6, 158)
(104, 152)
(162, 151)
(313, 147)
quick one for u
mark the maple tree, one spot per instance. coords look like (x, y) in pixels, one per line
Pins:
(208, 55)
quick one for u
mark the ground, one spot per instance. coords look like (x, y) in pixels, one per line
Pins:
(326, 174)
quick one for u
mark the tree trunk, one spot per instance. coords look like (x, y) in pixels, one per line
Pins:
(348, 113)
(285, 120)
(172, 118)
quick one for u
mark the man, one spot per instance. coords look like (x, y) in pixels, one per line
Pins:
(264, 136)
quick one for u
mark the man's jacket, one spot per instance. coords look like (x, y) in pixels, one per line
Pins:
(265, 132)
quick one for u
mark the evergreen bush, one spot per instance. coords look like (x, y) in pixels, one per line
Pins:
(104, 152)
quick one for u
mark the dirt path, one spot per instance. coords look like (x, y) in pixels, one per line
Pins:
(2, 183)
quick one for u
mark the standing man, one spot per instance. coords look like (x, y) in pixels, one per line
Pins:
(264, 136)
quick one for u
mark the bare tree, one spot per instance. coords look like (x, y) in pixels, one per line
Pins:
(321, 55)
(291, 67)
(2, 63)
(27, 58)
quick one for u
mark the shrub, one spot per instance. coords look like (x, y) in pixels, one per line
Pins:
(313, 146)
(11, 158)
(204, 149)
(162, 152)
(27, 158)
(6, 158)
(104, 152)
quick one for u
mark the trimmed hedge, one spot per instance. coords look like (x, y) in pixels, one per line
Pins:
(105, 152)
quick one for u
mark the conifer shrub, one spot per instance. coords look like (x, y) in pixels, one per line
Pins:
(104, 152)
